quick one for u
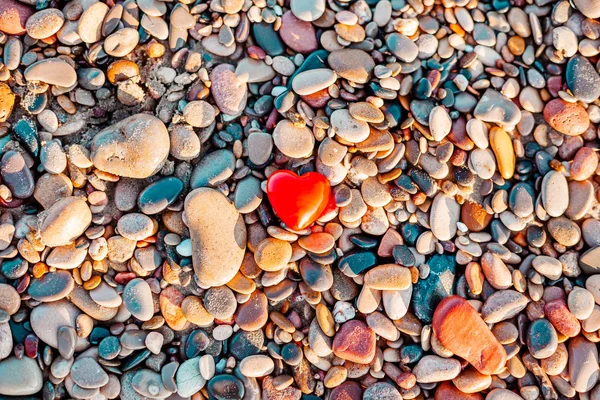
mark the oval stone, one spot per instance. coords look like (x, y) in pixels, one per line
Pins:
(216, 257)
(137, 298)
(459, 328)
(20, 377)
(135, 147)
(52, 286)
(53, 71)
(445, 214)
(64, 221)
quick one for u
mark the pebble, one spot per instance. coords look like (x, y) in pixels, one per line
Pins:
(542, 339)
(308, 82)
(216, 258)
(10, 301)
(309, 10)
(435, 369)
(53, 71)
(297, 34)
(257, 366)
(453, 318)
(582, 79)
(583, 364)
(230, 92)
(44, 23)
(445, 214)
(137, 297)
(352, 64)
(494, 107)
(14, 16)
(64, 221)
(555, 193)
(292, 140)
(199, 113)
(568, 118)
(20, 377)
(348, 128)
(16, 176)
(355, 342)
(51, 287)
(141, 143)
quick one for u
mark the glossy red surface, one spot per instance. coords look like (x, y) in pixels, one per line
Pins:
(298, 200)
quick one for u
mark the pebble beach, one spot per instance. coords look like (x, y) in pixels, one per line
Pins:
(299, 199)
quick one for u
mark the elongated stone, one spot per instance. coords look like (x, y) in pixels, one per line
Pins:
(502, 147)
(460, 329)
(216, 257)
(583, 364)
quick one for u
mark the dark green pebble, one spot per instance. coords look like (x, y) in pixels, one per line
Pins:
(524, 167)
(364, 241)
(405, 183)
(379, 91)
(583, 79)
(424, 181)
(135, 360)
(291, 354)
(463, 176)
(542, 162)
(354, 264)
(531, 148)
(403, 255)
(423, 90)
(448, 101)
(15, 268)
(36, 103)
(26, 133)
(159, 195)
(213, 169)
(267, 39)
(428, 292)
(245, 344)
(109, 347)
(541, 338)
(98, 333)
(411, 354)
(274, 350)
(420, 110)
(393, 113)
(500, 233)
(410, 233)
(226, 387)
(196, 342)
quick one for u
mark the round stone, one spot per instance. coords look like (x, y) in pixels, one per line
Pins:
(199, 113)
(292, 140)
(134, 147)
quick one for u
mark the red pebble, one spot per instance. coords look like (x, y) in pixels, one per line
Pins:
(355, 342)
(561, 318)
(447, 391)
(31, 346)
(124, 277)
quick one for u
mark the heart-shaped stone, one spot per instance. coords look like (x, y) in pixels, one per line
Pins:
(298, 200)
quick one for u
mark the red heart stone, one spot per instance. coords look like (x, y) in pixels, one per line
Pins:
(298, 200)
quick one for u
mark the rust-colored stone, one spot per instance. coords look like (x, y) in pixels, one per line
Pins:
(474, 216)
(447, 391)
(561, 318)
(355, 342)
(460, 329)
